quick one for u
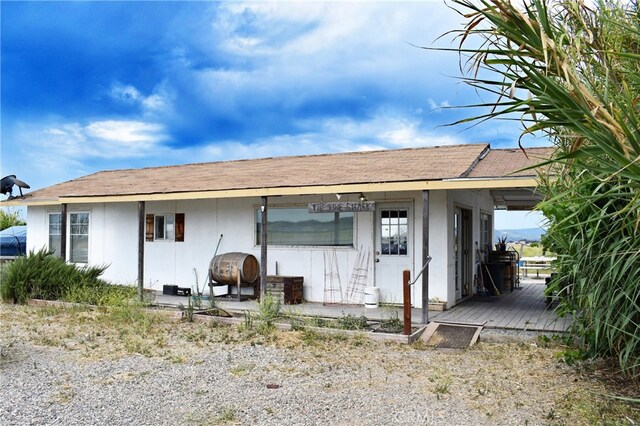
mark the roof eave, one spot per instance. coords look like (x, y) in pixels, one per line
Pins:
(445, 184)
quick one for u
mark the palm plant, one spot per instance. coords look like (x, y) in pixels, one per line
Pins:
(571, 71)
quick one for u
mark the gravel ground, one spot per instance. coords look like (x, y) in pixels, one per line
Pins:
(74, 367)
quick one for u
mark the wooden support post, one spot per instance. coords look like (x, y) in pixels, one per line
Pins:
(141, 239)
(425, 256)
(406, 301)
(239, 284)
(63, 231)
(263, 249)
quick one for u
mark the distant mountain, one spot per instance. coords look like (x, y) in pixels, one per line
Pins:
(529, 234)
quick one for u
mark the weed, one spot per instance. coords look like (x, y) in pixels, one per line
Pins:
(265, 328)
(161, 341)
(269, 309)
(551, 414)
(66, 394)
(247, 324)
(351, 322)
(240, 370)
(441, 389)
(420, 345)
(310, 337)
(393, 324)
(297, 324)
(134, 344)
(187, 312)
(50, 311)
(573, 355)
(358, 340)
(227, 415)
(268, 312)
(178, 359)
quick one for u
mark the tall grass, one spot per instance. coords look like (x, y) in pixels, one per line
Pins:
(571, 71)
(42, 275)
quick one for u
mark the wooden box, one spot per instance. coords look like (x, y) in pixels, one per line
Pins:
(286, 289)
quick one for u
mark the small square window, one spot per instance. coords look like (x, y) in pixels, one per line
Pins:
(164, 227)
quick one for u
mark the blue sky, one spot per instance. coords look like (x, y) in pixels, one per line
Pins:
(104, 85)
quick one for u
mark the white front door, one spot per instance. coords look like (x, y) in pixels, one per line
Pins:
(394, 249)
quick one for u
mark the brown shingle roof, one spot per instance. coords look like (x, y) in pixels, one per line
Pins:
(509, 162)
(402, 165)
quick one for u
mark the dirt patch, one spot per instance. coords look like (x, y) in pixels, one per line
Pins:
(487, 384)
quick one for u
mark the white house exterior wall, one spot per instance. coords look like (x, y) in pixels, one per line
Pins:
(113, 240)
(113, 230)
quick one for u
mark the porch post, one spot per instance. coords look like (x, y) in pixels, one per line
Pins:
(425, 256)
(63, 231)
(141, 239)
(263, 249)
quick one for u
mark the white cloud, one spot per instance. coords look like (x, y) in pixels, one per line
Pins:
(325, 136)
(45, 153)
(124, 93)
(106, 139)
(438, 107)
(159, 101)
(295, 51)
(125, 132)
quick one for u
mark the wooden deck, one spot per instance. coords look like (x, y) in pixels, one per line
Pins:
(522, 309)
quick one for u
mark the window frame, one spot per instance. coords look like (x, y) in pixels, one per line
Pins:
(71, 235)
(257, 224)
(56, 250)
(398, 252)
(178, 227)
(155, 226)
(485, 246)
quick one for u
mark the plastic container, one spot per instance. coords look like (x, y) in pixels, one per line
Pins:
(371, 297)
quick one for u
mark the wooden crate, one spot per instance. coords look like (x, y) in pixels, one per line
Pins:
(288, 290)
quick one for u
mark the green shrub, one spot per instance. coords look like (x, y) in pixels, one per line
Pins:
(570, 70)
(43, 275)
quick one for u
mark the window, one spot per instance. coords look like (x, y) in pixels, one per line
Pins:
(485, 233)
(165, 227)
(79, 237)
(394, 231)
(295, 226)
(55, 234)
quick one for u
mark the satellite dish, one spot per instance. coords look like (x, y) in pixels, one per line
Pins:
(7, 185)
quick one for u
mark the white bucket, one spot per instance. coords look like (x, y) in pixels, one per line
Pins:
(371, 297)
(220, 290)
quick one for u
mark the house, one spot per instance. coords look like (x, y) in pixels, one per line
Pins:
(158, 225)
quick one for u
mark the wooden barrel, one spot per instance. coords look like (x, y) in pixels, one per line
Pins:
(224, 268)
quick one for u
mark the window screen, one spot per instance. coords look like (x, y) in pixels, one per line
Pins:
(295, 226)
(394, 231)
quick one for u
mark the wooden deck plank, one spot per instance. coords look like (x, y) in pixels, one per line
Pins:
(523, 309)
(524, 317)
